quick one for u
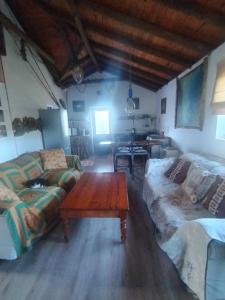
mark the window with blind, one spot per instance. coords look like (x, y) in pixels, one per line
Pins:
(218, 101)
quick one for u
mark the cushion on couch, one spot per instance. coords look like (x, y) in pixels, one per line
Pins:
(64, 178)
(197, 183)
(29, 165)
(215, 199)
(11, 176)
(53, 159)
(178, 170)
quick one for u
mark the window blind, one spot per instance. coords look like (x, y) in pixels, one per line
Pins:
(218, 100)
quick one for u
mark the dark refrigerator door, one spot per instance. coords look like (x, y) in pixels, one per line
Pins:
(54, 124)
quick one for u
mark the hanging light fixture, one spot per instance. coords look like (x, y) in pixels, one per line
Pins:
(130, 106)
(78, 74)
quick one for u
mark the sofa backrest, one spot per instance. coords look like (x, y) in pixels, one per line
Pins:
(14, 173)
(212, 164)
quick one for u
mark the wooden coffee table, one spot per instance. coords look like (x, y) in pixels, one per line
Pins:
(97, 195)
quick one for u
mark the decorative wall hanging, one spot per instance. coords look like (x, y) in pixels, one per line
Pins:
(163, 106)
(190, 96)
(25, 125)
(78, 106)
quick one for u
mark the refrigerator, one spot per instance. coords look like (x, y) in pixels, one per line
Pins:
(55, 129)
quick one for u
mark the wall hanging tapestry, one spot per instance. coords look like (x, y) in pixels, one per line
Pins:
(25, 125)
(190, 98)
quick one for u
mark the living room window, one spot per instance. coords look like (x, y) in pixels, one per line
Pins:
(220, 128)
(101, 118)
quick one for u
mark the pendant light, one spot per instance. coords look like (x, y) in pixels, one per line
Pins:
(78, 74)
(130, 105)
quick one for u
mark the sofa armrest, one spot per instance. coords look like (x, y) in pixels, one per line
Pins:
(73, 162)
(157, 165)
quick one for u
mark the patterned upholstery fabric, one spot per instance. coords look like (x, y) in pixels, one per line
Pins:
(73, 162)
(64, 178)
(215, 199)
(29, 165)
(7, 198)
(11, 176)
(53, 159)
(178, 171)
(33, 216)
(197, 183)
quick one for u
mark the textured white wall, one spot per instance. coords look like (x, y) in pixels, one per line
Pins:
(26, 97)
(192, 139)
(112, 95)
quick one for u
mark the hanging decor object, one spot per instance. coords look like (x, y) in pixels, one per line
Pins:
(130, 106)
(78, 74)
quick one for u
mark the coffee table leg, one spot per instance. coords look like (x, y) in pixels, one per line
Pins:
(66, 230)
(123, 227)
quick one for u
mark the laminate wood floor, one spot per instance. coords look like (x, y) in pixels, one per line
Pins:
(95, 265)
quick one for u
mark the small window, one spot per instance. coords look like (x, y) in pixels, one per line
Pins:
(102, 122)
(220, 129)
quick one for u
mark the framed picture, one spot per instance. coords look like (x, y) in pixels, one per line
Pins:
(78, 106)
(3, 131)
(136, 103)
(2, 42)
(190, 98)
(2, 119)
(163, 106)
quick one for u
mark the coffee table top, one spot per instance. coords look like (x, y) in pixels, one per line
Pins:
(98, 191)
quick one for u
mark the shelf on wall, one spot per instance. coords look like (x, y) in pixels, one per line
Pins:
(137, 117)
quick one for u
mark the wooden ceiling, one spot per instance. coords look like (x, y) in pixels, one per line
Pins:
(155, 40)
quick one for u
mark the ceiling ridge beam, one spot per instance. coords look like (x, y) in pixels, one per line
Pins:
(123, 75)
(131, 43)
(193, 10)
(132, 70)
(79, 25)
(134, 59)
(12, 27)
(147, 27)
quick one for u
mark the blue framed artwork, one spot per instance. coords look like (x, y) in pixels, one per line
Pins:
(190, 98)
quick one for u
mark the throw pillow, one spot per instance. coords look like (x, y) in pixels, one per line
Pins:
(53, 159)
(197, 183)
(215, 199)
(178, 171)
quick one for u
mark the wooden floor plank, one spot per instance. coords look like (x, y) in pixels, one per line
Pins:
(95, 265)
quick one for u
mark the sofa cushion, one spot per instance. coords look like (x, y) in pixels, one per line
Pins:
(47, 200)
(178, 170)
(29, 166)
(215, 199)
(197, 182)
(64, 178)
(53, 159)
(11, 176)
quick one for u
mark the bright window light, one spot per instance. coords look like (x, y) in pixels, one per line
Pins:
(102, 122)
(220, 128)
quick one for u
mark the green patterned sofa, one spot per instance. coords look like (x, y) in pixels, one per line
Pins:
(37, 211)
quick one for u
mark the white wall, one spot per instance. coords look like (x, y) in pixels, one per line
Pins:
(193, 140)
(26, 96)
(111, 95)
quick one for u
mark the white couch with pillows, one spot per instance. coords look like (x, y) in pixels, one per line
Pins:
(186, 201)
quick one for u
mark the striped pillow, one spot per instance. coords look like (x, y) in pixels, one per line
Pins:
(178, 171)
(215, 199)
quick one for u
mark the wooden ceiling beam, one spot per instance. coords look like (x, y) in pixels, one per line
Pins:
(9, 25)
(133, 70)
(105, 50)
(193, 10)
(134, 44)
(152, 29)
(78, 23)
